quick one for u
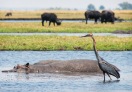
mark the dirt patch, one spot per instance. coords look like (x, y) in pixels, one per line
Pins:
(122, 32)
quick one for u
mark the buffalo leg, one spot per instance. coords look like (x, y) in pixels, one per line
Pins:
(49, 23)
(86, 21)
(54, 23)
(102, 20)
(106, 21)
(86, 18)
(95, 21)
(112, 21)
(42, 22)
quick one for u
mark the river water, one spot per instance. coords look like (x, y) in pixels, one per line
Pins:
(68, 34)
(15, 82)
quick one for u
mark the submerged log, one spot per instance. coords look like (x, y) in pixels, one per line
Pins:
(58, 66)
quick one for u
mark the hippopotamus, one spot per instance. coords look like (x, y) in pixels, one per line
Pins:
(58, 66)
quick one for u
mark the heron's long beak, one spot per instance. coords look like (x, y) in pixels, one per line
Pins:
(90, 35)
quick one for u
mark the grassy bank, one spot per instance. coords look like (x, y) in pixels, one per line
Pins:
(47, 43)
(70, 14)
(74, 27)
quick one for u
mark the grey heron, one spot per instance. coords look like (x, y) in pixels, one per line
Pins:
(106, 67)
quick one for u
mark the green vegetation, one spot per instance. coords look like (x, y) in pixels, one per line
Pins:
(78, 27)
(48, 43)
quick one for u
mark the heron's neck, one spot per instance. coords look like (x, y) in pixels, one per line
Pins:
(94, 47)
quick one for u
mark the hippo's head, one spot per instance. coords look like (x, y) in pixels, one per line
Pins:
(19, 68)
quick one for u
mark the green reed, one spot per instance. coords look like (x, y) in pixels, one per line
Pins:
(79, 27)
(48, 43)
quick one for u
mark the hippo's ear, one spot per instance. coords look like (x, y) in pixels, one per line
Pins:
(27, 64)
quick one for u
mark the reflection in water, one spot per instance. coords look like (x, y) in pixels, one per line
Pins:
(112, 81)
(35, 82)
(21, 76)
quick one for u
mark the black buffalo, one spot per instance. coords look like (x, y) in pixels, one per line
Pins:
(51, 17)
(92, 15)
(107, 16)
(8, 14)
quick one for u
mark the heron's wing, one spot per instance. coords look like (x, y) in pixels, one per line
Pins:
(110, 64)
(106, 67)
(117, 69)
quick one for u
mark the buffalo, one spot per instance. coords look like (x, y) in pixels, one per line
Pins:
(92, 15)
(51, 17)
(8, 14)
(107, 16)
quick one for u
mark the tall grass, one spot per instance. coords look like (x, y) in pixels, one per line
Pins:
(125, 14)
(47, 43)
(78, 27)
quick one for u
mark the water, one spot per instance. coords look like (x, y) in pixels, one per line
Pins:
(14, 82)
(68, 34)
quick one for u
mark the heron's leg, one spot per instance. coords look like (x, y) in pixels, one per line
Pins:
(109, 76)
(104, 76)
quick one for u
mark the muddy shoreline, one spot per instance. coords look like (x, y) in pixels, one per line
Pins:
(122, 32)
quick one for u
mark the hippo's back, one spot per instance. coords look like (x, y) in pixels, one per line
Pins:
(77, 65)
